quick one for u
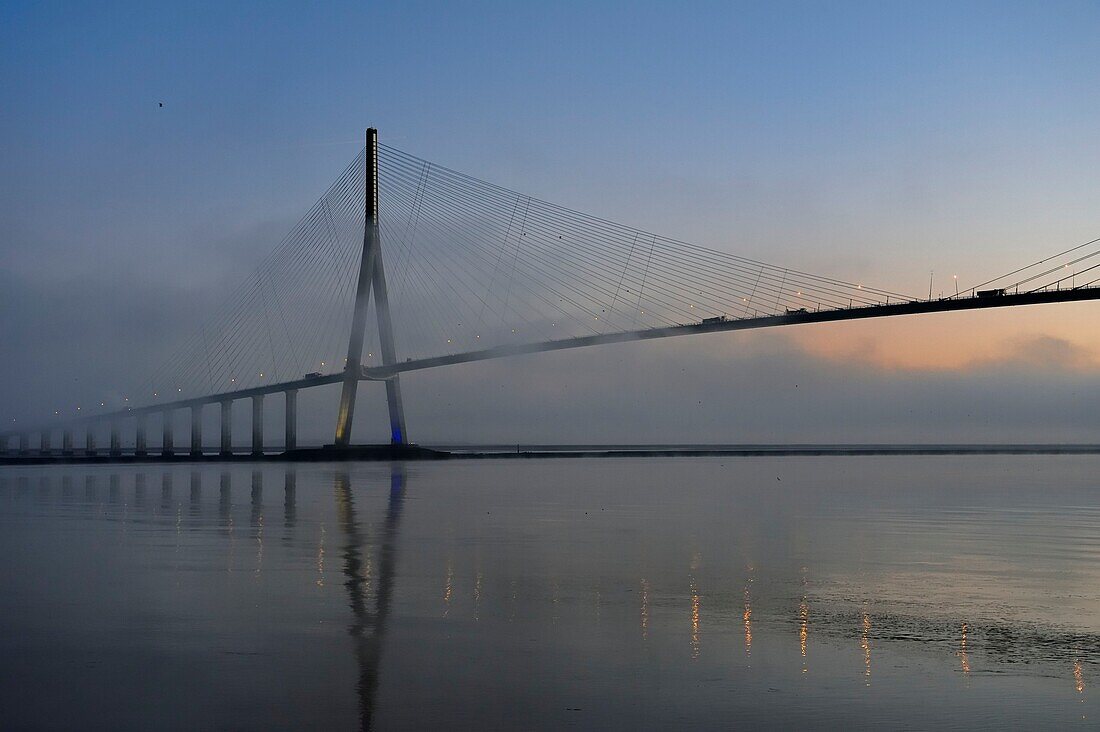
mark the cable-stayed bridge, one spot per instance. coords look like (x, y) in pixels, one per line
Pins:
(404, 265)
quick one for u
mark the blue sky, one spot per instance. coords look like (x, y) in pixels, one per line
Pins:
(873, 141)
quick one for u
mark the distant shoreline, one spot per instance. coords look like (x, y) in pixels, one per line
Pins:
(373, 453)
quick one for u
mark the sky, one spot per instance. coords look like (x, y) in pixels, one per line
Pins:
(875, 142)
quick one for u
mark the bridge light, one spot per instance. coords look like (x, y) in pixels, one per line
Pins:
(154, 393)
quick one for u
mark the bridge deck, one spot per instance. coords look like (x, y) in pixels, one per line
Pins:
(765, 321)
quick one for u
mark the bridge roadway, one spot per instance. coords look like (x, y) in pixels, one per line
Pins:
(378, 373)
(913, 307)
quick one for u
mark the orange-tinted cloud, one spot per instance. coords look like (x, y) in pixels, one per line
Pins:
(1050, 339)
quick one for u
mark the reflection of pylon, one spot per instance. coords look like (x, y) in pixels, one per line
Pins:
(371, 273)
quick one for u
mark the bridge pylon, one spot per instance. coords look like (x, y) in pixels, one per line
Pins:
(372, 273)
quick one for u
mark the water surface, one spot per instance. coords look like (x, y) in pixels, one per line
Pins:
(626, 593)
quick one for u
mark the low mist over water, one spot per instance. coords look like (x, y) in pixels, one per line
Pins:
(628, 593)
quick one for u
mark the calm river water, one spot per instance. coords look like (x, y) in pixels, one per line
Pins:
(898, 592)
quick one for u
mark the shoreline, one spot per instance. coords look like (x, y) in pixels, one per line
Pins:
(375, 453)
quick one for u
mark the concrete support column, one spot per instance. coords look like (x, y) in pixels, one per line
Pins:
(258, 424)
(89, 439)
(140, 446)
(66, 441)
(116, 443)
(44, 445)
(24, 443)
(3, 445)
(227, 427)
(196, 429)
(166, 443)
(291, 419)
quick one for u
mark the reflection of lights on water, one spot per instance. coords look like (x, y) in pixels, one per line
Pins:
(803, 629)
(448, 587)
(696, 562)
(645, 609)
(803, 622)
(259, 544)
(1078, 677)
(964, 657)
(694, 621)
(366, 573)
(321, 559)
(865, 644)
(746, 617)
(477, 597)
(748, 625)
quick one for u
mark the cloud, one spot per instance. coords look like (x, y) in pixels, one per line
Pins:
(934, 344)
(1049, 353)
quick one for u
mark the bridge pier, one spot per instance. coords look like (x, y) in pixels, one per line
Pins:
(24, 443)
(372, 274)
(140, 447)
(66, 441)
(258, 424)
(89, 439)
(44, 444)
(196, 430)
(116, 443)
(166, 447)
(227, 428)
(3, 444)
(291, 441)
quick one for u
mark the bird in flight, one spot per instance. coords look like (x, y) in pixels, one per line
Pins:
(160, 104)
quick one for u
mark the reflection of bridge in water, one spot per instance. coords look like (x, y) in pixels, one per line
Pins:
(477, 272)
(693, 610)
